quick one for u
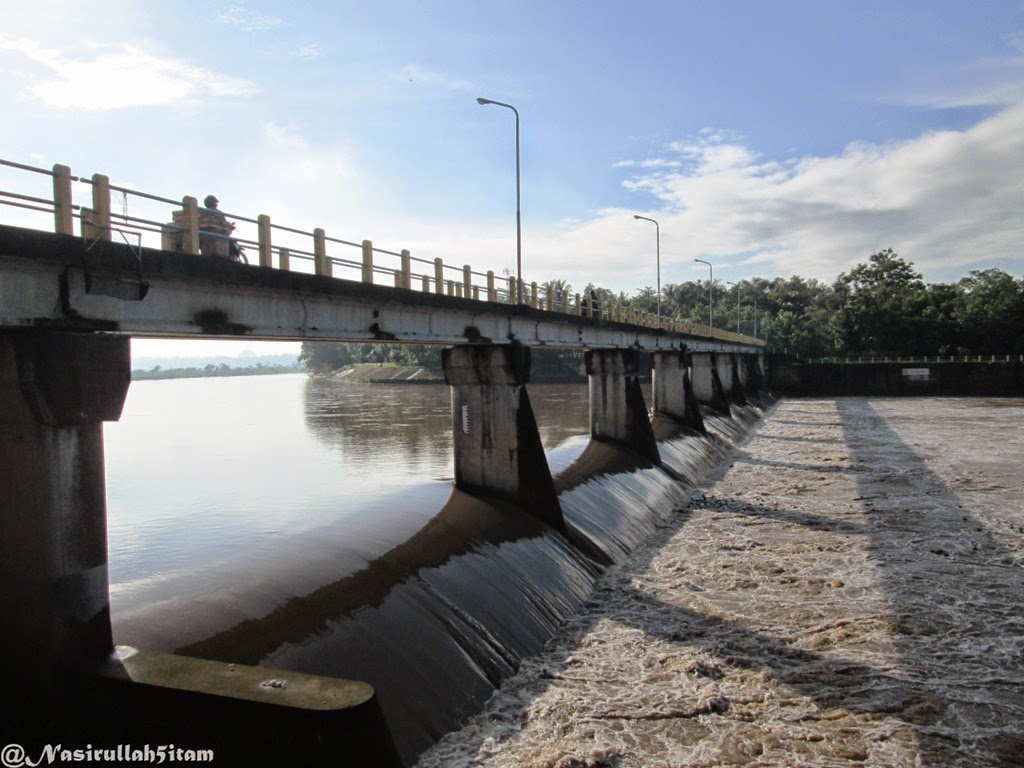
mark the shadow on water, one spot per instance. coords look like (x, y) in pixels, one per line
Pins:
(956, 596)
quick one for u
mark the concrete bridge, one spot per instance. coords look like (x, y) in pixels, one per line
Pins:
(69, 303)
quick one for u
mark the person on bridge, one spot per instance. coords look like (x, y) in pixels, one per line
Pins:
(226, 227)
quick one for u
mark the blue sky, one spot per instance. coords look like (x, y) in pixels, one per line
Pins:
(770, 138)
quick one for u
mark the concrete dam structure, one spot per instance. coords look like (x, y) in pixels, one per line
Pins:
(68, 306)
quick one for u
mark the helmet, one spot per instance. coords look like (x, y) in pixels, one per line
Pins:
(211, 201)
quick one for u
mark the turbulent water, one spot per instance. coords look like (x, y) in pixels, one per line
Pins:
(847, 590)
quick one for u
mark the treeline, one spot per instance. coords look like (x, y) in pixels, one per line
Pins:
(260, 369)
(881, 307)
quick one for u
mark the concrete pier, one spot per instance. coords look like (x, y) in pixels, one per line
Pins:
(56, 389)
(498, 450)
(724, 368)
(708, 386)
(617, 408)
(739, 378)
(673, 390)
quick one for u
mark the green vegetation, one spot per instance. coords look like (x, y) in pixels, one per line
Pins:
(881, 307)
(318, 358)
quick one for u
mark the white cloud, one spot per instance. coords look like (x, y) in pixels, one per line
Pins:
(119, 76)
(310, 52)
(995, 81)
(949, 201)
(249, 21)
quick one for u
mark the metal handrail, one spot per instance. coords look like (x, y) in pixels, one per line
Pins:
(465, 281)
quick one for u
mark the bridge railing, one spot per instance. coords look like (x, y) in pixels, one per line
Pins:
(102, 212)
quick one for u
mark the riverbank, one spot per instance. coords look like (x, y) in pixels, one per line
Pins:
(847, 590)
(389, 374)
(555, 372)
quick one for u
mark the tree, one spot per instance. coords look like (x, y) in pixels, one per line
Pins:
(991, 313)
(319, 357)
(880, 305)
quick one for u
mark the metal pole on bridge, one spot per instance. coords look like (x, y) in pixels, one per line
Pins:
(519, 218)
(657, 233)
(711, 293)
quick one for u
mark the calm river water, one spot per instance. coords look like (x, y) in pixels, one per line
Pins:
(204, 475)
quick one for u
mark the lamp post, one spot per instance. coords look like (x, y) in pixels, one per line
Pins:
(737, 306)
(519, 224)
(711, 293)
(657, 233)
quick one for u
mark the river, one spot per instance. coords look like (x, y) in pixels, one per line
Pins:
(203, 473)
(313, 526)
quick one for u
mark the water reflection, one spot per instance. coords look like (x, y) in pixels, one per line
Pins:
(401, 425)
(376, 425)
(206, 477)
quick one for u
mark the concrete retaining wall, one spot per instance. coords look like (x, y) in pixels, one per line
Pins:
(936, 379)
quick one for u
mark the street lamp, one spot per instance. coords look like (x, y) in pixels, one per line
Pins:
(657, 233)
(519, 223)
(711, 293)
(737, 305)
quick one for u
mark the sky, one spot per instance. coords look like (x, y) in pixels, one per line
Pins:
(768, 138)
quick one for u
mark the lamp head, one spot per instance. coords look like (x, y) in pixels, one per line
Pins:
(636, 216)
(482, 100)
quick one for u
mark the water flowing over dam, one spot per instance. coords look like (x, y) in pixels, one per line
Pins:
(436, 623)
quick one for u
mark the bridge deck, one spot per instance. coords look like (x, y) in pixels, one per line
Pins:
(63, 281)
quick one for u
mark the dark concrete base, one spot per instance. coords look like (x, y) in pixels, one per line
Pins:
(245, 715)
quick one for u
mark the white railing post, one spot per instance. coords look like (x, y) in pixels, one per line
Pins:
(425, 280)
(491, 293)
(438, 276)
(283, 259)
(100, 223)
(467, 280)
(511, 289)
(63, 212)
(406, 269)
(190, 241)
(266, 249)
(321, 264)
(367, 273)
(533, 294)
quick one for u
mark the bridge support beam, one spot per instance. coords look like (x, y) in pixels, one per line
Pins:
(56, 389)
(707, 383)
(673, 390)
(498, 450)
(617, 408)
